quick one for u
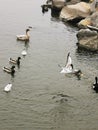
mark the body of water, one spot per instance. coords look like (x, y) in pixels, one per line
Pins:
(41, 98)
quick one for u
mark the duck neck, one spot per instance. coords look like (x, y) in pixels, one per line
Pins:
(27, 33)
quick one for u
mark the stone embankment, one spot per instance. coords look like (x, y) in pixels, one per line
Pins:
(86, 11)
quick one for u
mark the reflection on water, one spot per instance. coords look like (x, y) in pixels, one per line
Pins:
(41, 97)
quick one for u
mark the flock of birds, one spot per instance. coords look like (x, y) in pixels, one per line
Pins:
(11, 70)
(69, 69)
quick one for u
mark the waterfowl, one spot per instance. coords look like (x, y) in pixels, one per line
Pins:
(78, 73)
(69, 66)
(69, 60)
(8, 87)
(95, 84)
(13, 61)
(24, 37)
(67, 70)
(24, 53)
(44, 8)
(9, 70)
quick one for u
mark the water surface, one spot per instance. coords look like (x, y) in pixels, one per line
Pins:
(41, 97)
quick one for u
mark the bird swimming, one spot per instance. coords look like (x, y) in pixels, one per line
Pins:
(95, 84)
(9, 70)
(8, 87)
(13, 61)
(24, 52)
(24, 37)
(69, 68)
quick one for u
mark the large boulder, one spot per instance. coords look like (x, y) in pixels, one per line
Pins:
(58, 3)
(79, 10)
(90, 20)
(88, 39)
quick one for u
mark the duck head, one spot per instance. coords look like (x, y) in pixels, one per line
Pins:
(13, 67)
(19, 58)
(27, 30)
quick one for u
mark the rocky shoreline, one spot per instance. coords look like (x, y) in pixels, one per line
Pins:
(83, 11)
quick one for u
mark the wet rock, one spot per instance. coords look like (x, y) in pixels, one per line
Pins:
(58, 3)
(79, 10)
(84, 33)
(90, 20)
(88, 39)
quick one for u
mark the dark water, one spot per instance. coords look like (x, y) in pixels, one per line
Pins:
(41, 97)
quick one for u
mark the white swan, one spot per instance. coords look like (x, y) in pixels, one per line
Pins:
(24, 37)
(8, 87)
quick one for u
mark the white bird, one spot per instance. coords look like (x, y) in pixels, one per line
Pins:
(24, 37)
(70, 69)
(69, 66)
(24, 53)
(8, 87)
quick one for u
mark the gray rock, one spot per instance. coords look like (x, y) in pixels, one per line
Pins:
(79, 10)
(88, 39)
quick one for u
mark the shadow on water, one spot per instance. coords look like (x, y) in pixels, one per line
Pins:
(26, 45)
(84, 52)
(55, 13)
(55, 17)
